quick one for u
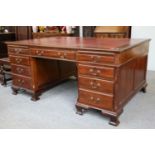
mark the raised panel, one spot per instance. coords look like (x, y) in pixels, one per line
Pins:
(21, 70)
(96, 71)
(96, 99)
(20, 60)
(96, 85)
(22, 82)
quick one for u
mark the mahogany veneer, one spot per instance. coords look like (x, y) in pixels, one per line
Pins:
(109, 71)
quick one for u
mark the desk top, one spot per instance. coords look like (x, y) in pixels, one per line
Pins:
(97, 44)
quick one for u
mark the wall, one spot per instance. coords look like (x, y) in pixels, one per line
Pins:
(146, 32)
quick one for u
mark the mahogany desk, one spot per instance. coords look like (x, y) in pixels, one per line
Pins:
(109, 71)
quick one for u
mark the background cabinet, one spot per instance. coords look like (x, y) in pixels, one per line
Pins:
(5, 37)
(112, 31)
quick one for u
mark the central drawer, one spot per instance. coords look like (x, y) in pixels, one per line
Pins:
(96, 71)
(95, 99)
(21, 70)
(20, 60)
(60, 54)
(96, 85)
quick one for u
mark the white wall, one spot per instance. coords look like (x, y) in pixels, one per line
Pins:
(146, 32)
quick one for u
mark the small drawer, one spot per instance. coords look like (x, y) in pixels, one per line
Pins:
(54, 53)
(18, 50)
(22, 82)
(21, 70)
(95, 58)
(96, 71)
(48, 53)
(69, 55)
(95, 99)
(20, 60)
(97, 85)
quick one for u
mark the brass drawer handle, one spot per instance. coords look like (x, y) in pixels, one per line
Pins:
(91, 83)
(98, 100)
(94, 84)
(59, 53)
(20, 70)
(92, 57)
(96, 59)
(65, 54)
(92, 98)
(17, 50)
(98, 71)
(98, 84)
(91, 70)
(39, 52)
(18, 60)
(21, 81)
(94, 71)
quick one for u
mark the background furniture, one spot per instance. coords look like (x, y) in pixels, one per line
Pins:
(5, 68)
(5, 37)
(110, 71)
(5, 71)
(112, 31)
(25, 32)
(48, 34)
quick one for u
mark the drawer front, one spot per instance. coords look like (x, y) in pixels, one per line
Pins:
(95, 58)
(18, 50)
(20, 60)
(54, 54)
(96, 100)
(21, 70)
(96, 71)
(22, 82)
(97, 85)
(70, 55)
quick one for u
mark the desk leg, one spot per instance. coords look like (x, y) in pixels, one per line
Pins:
(35, 96)
(144, 89)
(114, 121)
(14, 91)
(80, 110)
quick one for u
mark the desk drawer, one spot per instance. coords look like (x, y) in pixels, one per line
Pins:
(96, 71)
(21, 70)
(22, 82)
(60, 54)
(20, 60)
(18, 50)
(95, 84)
(95, 58)
(95, 99)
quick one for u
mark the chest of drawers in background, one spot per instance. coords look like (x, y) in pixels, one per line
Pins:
(3, 47)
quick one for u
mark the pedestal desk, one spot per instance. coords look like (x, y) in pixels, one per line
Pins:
(109, 71)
